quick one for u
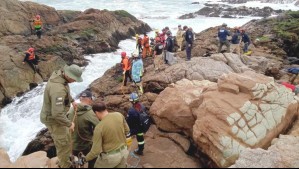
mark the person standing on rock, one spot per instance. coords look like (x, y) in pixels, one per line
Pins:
(179, 37)
(57, 102)
(138, 43)
(38, 26)
(189, 42)
(31, 59)
(85, 121)
(134, 122)
(126, 65)
(146, 46)
(137, 72)
(109, 140)
(246, 40)
(169, 48)
(222, 35)
(158, 54)
(236, 41)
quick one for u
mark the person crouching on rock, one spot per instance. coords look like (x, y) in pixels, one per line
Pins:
(109, 140)
(31, 59)
(38, 26)
(126, 65)
(246, 40)
(134, 122)
(85, 121)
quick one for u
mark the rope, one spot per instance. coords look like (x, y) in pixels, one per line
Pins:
(132, 154)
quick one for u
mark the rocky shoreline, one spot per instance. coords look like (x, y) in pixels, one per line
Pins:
(68, 35)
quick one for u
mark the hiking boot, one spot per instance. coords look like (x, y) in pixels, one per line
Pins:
(137, 152)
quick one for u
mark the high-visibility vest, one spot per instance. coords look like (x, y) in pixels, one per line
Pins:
(32, 56)
(37, 24)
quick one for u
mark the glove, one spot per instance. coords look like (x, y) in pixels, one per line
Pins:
(129, 141)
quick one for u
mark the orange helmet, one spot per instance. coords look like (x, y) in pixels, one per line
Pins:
(123, 54)
(37, 16)
(31, 50)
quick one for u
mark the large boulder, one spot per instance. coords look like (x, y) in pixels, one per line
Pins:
(246, 110)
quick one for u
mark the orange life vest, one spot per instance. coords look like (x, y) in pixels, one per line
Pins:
(32, 56)
(145, 42)
(126, 64)
(37, 24)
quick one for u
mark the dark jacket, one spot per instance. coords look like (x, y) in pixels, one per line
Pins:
(133, 119)
(245, 38)
(235, 38)
(223, 34)
(169, 44)
(189, 37)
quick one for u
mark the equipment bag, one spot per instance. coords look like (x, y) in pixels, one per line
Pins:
(145, 121)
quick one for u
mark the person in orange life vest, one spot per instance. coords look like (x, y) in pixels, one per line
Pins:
(31, 59)
(38, 26)
(126, 65)
(146, 46)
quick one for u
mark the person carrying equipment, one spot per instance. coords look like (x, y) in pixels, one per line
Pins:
(137, 72)
(56, 104)
(126, 65)
(247, 42)
(135, 122)
(158, 54)
(222, 35)
(31, 59)
(146, 46)
(109, 140)
(38, 26)
(85, 121)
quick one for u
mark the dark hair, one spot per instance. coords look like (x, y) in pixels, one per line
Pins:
(99, 107)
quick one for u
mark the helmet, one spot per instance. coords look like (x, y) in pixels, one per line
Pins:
(157, 31)
(224, 25)
(134, 97)
(123, 54)
(31, 49)
(167, 28)
(180, 26)
(152, 39)
(168, 33)
(158, 39)
(137, 35)
(135, 55)
(37, 16)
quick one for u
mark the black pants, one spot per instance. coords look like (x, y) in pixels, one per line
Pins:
(33, 64)
(140, 139)
(38, 33)
(127, 75)
(85, 152)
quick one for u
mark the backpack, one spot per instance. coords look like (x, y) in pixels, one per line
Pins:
(145, 121)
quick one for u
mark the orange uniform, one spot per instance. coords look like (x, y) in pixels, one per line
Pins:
(146, 47)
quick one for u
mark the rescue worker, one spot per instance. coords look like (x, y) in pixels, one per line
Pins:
(134, 122)
(57, 102)
(137, 72)
(139, 43)
(157, 34)
(158, 54)
(235, 46)
(163, 37)
(189, 42)
(31, 59)
(109, 140)
(246, 40)
(146, 46)
(38, 26)
(85, 121)
(179, 37)
(126, 65)
(152, 45)
(222, 35)
(169, 47)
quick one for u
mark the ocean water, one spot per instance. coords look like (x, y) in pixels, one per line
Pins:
(19, 121)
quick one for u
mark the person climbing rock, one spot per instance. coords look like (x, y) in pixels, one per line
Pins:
(134, 122)
(246, 41)
(57, 102)
(179, 37)
(169, 48)
(158, 54)
(146, 46)
(31, 59)
(85, 121)
(235, 46)
(38, 26)
(137, 72)
(109, 140)
(126, 65)
(189, 42)
(222, 35)
(139, 43)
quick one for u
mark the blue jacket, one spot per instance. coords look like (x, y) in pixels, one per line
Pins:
(245, 38)
(137, 70)
(222, 34)
(235, 38)
(133, 120)
(189, 37)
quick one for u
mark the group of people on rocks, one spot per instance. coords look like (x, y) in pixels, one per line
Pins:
(88, 130)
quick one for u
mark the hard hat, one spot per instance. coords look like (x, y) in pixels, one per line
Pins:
(168, 33)
(157, 31)
(137, 35)
(37, 16)
(123, 54)
(134, 97)
(135, 55)
(31, 49)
